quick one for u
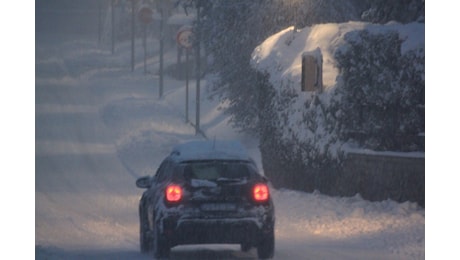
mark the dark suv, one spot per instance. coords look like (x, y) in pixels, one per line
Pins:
(206, 192)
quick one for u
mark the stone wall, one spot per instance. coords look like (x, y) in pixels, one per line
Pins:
(374, 177)
(378, 177)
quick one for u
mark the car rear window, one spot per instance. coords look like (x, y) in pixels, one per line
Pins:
(216, 170)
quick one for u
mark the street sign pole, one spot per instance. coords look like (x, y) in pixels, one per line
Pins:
(186, 84)
(133, 31)
(145, 16)
(112, 9)
(184, 39)
(161, 52)
(144, 43)
(99, 21)
(198, 76)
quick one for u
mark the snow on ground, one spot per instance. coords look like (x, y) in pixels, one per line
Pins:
(99, 126)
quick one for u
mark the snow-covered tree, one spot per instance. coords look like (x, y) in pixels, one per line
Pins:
(230, 30)
(404, 11)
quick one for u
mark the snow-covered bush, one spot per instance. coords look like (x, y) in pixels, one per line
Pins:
(382, 92)
(373, 97)
(299, 144)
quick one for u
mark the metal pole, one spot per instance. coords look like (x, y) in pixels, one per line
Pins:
(186, 84)
(198, 76)
(161, 51)
(133, 31)
(99, 22)
(144, 43)
(113, 25)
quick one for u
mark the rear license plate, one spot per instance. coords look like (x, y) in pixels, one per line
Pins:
(218, 207)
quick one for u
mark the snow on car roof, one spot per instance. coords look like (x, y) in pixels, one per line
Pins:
(210, 150)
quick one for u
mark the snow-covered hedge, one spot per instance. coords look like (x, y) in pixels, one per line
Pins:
(381, 92)
(373, 98)
(373, 95)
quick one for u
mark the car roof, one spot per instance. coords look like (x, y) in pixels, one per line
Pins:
(210, 150)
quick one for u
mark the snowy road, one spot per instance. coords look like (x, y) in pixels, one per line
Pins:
(99, 126)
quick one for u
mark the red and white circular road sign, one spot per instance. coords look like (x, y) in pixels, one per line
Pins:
(185, 37)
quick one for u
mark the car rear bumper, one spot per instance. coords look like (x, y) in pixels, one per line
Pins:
(218, 231)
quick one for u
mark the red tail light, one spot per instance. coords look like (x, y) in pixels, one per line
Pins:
(260, 192)
(173, 193)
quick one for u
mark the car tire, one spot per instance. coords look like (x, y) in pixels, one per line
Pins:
(145, 239)
(266, 247)
(161, 248)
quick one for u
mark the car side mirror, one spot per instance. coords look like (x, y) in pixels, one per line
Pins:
(144, 182)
